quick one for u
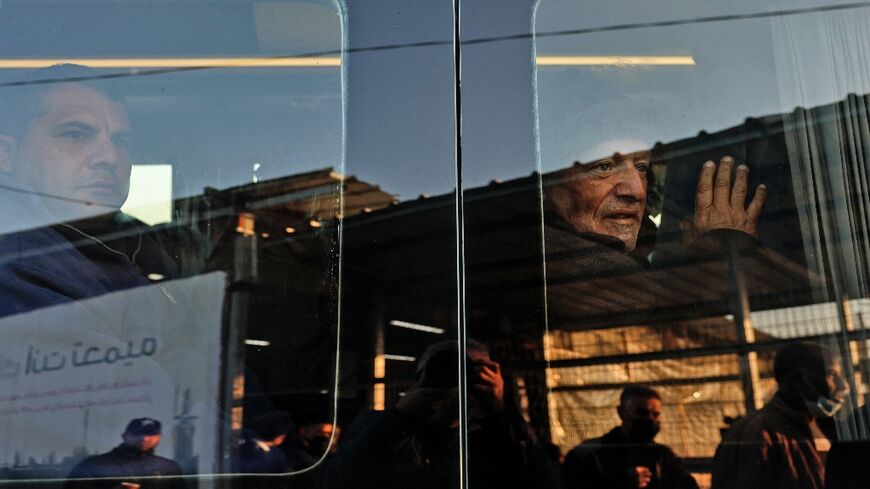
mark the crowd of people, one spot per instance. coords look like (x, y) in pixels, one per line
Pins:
(416, 443)
(64, 153)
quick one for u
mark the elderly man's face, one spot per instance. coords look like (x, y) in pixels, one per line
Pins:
(77, 148)
(607, 196)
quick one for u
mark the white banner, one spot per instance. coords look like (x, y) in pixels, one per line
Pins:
(72, 376)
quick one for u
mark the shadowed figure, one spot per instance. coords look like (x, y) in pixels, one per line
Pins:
(416, 443)
(130, 465)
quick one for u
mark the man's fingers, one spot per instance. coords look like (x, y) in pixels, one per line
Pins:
(722, 185)
(738, 193)
(704, 195)
(493, 367)
(753, 212)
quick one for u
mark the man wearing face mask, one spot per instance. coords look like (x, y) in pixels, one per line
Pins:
(782, 446)
(627, 457)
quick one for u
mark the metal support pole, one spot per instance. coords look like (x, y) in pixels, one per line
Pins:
(233, 395)
(379, 371)
(748, 359)
(844, 314)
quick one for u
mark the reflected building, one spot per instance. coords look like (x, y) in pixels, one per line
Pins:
(702, 331)
(672, 325)
(183, 432)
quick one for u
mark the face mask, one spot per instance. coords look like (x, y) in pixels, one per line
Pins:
(825, 407)
(643, 430)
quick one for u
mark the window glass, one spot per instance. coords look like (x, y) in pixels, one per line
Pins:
(228, 241)
(637, 295)
(399, 403)
(173, 184)
(633, 100)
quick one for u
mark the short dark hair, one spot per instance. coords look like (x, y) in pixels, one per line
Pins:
(801, 356)
(637, 392)
(447, 349)
(22, 99)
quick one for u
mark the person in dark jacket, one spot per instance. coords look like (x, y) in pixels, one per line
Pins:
(416, 444)
(132, 464)
(627, 457)
(260, 449)
(64, 175)
(599, 207)
(778, 447)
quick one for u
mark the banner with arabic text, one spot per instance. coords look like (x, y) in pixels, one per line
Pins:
(72, 377)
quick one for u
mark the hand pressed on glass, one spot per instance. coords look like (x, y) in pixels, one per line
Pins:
(719, 205)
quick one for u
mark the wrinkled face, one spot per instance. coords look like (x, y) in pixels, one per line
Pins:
(77, 148)
(144, 443)
(606, 196)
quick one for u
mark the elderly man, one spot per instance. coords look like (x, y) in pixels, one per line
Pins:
(130, 465)
(64, 174)
(604, 201)
(627, 457)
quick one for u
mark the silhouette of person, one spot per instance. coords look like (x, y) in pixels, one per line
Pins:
(775, 448)
(627, 457)
(416, 443)
(130, 465)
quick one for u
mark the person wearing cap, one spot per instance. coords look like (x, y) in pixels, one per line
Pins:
(130, 465)
(782, 446)
(601, 203)
(416, 443)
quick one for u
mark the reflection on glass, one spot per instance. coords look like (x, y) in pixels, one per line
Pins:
(703, 204)
(172, 190)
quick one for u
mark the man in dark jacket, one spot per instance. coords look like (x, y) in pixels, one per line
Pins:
(627, 457)
(416, 444)
(64, 175)
(130, 465)
(779, 446)
(602, 202)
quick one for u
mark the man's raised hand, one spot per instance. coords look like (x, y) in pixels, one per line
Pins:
(719, 205)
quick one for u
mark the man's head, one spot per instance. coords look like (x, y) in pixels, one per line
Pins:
(143, 434)
(435, 396)
(606, 196)
(316, 437)
(438, 366)
(69, 141)
(640, 409)
(812, 373)
(273, 427)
